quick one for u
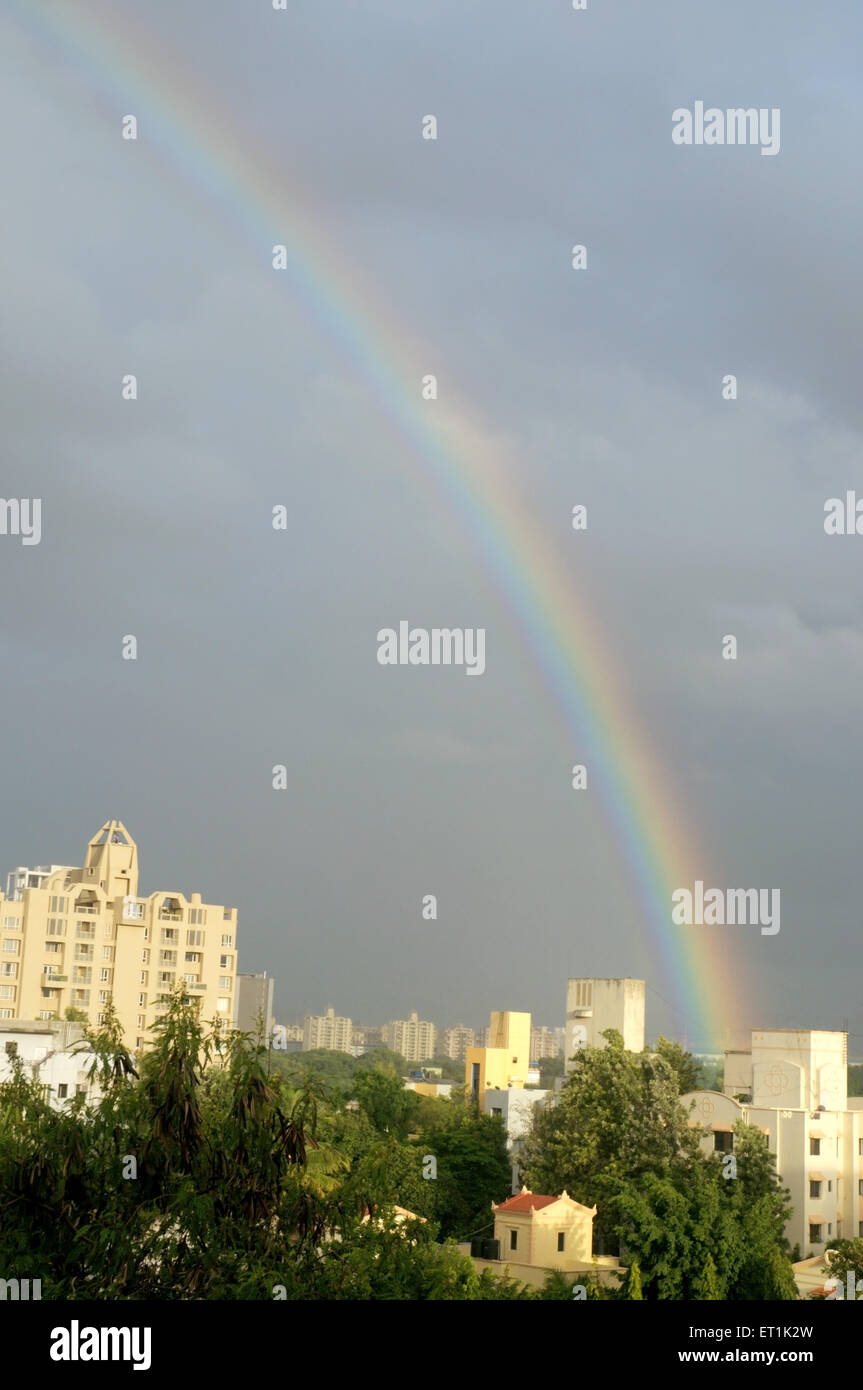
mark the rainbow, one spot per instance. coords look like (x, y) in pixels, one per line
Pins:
(204, 145)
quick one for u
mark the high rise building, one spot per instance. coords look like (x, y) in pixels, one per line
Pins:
(80, 938)
(593, 1005)
(413, 1038)
(456, 1041)
(544, 1042)
(327, 1031)
(254, 1004)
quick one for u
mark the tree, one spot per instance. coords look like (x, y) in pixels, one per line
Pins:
(382, 1096)
(682, 1063)
(617, 1119)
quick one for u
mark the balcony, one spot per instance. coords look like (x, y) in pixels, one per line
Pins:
(165, 916)
(56, 979)
(87, 911)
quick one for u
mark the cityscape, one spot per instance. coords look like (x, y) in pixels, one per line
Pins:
(432, 641)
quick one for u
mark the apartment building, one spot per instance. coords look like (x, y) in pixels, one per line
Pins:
(544, 1042)
(327, 1031)
(793, 1086)
(413, 1038)
(81, 937)
(455, 1042)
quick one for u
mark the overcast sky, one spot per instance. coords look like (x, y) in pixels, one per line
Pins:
(258, 647)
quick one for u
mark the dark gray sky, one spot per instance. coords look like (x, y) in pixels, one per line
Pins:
(258, 648)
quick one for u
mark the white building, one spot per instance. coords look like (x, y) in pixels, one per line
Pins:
(593, 1005)
(45, 1048)
(515, 1107)
(794, 1085)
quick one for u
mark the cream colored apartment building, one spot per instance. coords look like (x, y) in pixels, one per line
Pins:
(413, 1038)
(85, 936)
(328, 1031)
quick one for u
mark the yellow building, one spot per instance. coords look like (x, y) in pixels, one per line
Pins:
(535, 1234)
(504, 1062)
(84, 937)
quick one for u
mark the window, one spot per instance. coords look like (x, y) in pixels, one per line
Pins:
(139, 1042)
(226, 915)
(62, 1090)
(860, 1229)
(142, 1001)
(12, 923)
(513, 1240)
(814, 1190)
(829, 1187)
(11, 1049)
(228, 940)
(561, 1240)
(44, 1013)
(193, 956)
(7, 1013)
(814, 1234)
(496, 1110)
(723, 1141)
(53, 948)
(167, 957)
(103, 999)
(110, 931)
(225, 983)
(9, 969)
(166, 977)
(860, 1187)
(145, 975)
(11, 948)
(194, 938)
(100, 1018)
(190, 979)
(222, 1006)
(57, 905)
(815, 1147)
(860, 1147)
(829, 1228)
(56, 927)
(7, 991)
(225, 962)
(196, 916)
(169, 935)
(145, 957)
(107, 952)
(142, 1023)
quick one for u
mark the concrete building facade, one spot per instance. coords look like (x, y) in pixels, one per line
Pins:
(794, 1088)
(594, 1005)
(327, 1031)
(544, 1042)
(254, 1002)
(504, 1062)
(84, 937)
(52, 1057)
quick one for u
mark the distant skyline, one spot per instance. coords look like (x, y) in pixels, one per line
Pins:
(257, 648)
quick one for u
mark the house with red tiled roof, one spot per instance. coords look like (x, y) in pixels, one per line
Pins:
(535, 1233)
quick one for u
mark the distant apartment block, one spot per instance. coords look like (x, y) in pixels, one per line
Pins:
(81, 937)
(506, 1060)
(544, 1042)
(254, 1004)
(793, 1086)
(594, 1005)
(456, 1041)
(327, 1031)
(413, 1038)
